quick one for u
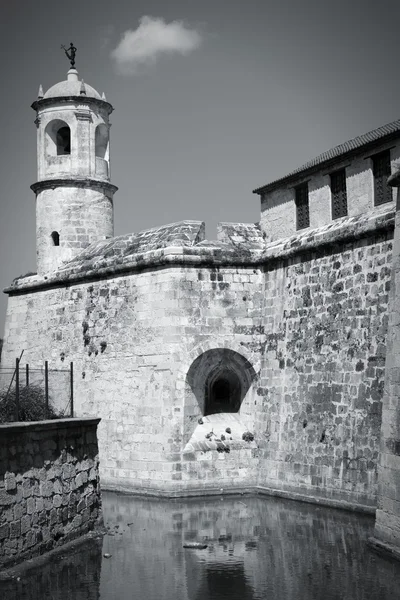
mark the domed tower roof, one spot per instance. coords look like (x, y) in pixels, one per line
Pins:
(71, 87)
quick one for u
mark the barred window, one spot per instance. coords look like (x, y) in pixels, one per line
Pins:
(339, 194)
(381, 170)
(302, 207)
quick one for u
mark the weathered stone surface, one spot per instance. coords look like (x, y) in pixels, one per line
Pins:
(387, 526)
(153, 319)
(10, 480)
(310, 321)
(31, 508)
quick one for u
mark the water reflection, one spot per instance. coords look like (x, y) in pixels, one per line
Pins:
(75, 575)
(257, 548)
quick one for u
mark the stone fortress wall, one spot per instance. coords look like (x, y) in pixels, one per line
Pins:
(308, 316)
(292, 324)
(49, 486)
(325, 322)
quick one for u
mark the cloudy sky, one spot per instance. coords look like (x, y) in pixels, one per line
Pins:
(212, 98)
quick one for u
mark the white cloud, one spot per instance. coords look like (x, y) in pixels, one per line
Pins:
(152, 38)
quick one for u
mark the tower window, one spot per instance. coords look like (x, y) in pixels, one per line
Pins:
(63, 141)
(55, 236)
(102, 141)
(381, 170)
(58, 138)
(339, 194)
(302, 207)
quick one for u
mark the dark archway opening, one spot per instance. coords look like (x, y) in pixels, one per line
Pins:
(55, 236)
(63, 141)
(219, 380)
(223, 392)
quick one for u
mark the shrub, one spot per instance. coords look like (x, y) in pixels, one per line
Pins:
(32, 405)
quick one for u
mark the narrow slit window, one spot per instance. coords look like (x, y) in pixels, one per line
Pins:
(339, 194)
(55, 236)
(302, 206)
(381, 170)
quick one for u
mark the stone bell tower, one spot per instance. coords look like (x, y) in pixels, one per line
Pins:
(74, 196)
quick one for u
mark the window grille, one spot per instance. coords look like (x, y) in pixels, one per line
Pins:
(339, 194)
(382, 170)
(302, 207)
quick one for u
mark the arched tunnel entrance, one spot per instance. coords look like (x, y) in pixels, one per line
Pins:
(219, 380)
(222, 392)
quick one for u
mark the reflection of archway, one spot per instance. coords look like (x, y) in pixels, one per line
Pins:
(219, 379)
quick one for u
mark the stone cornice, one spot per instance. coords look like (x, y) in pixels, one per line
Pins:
(46, 102)
(80, 182)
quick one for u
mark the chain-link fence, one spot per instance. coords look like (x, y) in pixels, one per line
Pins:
(35, 393)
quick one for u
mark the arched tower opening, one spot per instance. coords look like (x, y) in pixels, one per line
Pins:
(102, 151)
(58, 138)
(101, 141)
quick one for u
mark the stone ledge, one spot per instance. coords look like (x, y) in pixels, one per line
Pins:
(248, 490)
(83, 182)
(38, 105)
(384, 548)
(320, 500)
(20, 427)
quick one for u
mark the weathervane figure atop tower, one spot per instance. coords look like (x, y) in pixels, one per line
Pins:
(70, 52)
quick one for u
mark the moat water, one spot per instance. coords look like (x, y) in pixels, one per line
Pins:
(257, 548)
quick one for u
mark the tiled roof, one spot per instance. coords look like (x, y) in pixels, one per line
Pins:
(375, 135)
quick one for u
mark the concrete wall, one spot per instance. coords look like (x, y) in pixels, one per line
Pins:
(49, 485)
(278, 209)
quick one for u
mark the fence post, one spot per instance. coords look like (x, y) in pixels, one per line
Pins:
(72, 387)
(27, 375)
(46, 387)
(17, 389)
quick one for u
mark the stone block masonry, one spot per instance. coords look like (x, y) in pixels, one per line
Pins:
(322, 376)
(387, 526)
(298, 326)
(49, 486)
